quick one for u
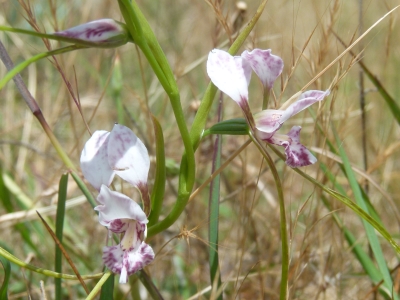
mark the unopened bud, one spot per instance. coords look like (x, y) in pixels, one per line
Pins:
(104, 33)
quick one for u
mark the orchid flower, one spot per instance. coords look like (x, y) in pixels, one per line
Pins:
(232, 74)
(120, 152)
(120, 214)
(100, 33)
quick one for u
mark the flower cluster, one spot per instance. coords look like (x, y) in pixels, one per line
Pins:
(231, 74)
(120, 152)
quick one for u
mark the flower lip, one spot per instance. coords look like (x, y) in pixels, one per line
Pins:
(115, 205)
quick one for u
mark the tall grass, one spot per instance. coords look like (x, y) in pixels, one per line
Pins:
(324, 263)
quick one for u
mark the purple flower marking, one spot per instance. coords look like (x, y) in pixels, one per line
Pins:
(99, 32)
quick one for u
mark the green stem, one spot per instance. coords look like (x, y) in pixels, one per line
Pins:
(266, 94)
(98, 286)
(146, 41)
(283, 229)
(45, 272)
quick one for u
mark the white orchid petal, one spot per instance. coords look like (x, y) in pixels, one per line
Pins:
(127, 263)
(94, 161)
(229, 74)
(267, 66)
(115, 205)
(128, 156)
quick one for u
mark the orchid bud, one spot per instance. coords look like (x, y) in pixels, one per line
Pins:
(103, 33)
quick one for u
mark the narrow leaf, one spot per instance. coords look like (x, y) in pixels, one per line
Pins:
(62, 198)
(372, 237)
(7, 272)
(213, 213)
(157, 194)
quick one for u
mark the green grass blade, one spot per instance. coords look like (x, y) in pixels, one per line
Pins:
(157, 194)
(346, 201)
(391, 103)
(107, 289)
(213, 215)
(357, 250)
(62, 197)
(372, 237)
(7, 272)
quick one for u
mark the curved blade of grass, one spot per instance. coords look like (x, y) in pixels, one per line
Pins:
(157, 194)
(372, 237)
(7, 272)
(62, 197)
(346, 201)
(391, 103)
(358, 251)
(45, 272)
(18, 68)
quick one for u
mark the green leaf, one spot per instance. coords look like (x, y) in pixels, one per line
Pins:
(107, 289)
(62, 198)
(372, 237)
(237, 126)
(157, 194)
(7, 272)
(213, 215)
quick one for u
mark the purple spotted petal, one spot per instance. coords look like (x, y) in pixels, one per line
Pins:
(128, 156)
(229, 74)
(102, 32)
(114, 205)
(296, 154)
(127, 263)
(94, 161)
(266, 65)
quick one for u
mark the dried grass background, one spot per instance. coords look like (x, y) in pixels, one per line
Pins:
(322, 265)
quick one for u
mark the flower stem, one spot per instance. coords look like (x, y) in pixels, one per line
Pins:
(283, 229)
(266, 94)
